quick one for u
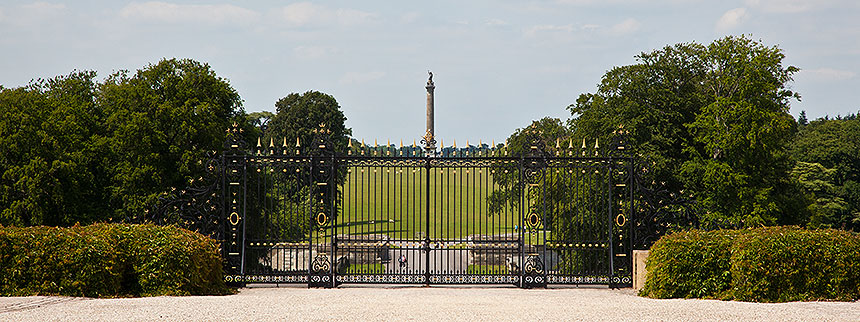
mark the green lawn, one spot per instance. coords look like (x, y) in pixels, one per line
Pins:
(393, 201)
(366, 269)
(487, 269)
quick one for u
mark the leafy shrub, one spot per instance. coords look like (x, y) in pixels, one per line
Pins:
(775, 264)
(690, 264)
(783, 264)
(105, 260)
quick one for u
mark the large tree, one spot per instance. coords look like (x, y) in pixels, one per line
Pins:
(52, 148)
(828, 168)
(163, 120)
(298, 115)
(712, 120)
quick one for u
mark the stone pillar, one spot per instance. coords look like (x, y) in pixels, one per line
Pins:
(639, 272)
(429, 137)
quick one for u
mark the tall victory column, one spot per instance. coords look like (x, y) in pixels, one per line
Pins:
(429, 140)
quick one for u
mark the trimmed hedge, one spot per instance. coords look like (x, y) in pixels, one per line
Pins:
(775, 264)
(108, 260)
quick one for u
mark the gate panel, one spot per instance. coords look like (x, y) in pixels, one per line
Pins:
(464, 216)
(380, 231)
(469, 243)
(278, 199)
(579, 213)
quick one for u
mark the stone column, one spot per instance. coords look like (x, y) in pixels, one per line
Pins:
(429, 137)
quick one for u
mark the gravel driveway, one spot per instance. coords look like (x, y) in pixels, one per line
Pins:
(352, 303)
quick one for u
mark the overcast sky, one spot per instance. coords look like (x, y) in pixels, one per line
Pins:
(497, 64)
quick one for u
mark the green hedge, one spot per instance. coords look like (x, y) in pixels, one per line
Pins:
(107, 260)
(775, 264)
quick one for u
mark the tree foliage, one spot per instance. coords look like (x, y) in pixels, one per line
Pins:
(52, 144)
(712, 120)
(78, 150)
(298, 115)
(828, 169)
(162, 122)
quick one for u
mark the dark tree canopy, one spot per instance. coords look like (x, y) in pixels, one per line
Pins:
(298, 115)
(76, 150)
(711, 119)
(52, 148)
(163, 120)
(828, 169)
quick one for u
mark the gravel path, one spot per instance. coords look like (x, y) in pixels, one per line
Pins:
(417, 303)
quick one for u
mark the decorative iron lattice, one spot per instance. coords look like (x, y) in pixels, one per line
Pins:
(309, 213)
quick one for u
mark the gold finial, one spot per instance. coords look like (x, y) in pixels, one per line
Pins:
(557, 143)
(570, 145)
(362, 144)
(455, 143)
(271, 142)
(413, 143)
(389, 143)
(442, 143)
(494, 143)
(597, 143)
(258, 143)
(298, 144)
(467, 143)
(401, 143)
(285, 142)
(375, 143)
(583, 143)
(350, 144)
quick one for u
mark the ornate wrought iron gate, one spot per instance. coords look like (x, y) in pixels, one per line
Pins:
(474, 215)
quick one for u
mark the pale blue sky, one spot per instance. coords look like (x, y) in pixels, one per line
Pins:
(497, 64)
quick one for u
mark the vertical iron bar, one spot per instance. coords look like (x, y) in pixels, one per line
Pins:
(611, 225)
(523, 199)
(427, 223)
(244, 213)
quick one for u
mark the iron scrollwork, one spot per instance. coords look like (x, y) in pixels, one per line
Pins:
(534, 274)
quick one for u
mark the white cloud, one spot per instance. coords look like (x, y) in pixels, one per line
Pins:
(590, 27)
(785, 6)
(306, 13)
(496, 22)
(534, 30)
(826, 74)
(731, 19)
(625, 27)
(353, 78)
(170, 12)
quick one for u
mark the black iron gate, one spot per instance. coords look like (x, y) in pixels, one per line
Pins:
(287, 213)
